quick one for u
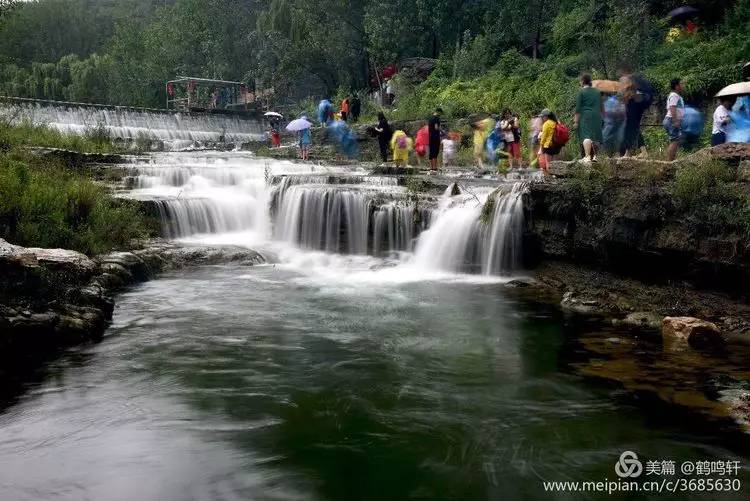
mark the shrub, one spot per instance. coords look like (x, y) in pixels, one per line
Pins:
(43, 205)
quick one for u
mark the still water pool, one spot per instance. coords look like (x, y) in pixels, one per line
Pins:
(229, 382)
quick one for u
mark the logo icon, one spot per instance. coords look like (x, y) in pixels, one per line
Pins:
(628, 465)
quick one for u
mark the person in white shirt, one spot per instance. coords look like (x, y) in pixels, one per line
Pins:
(449, 149)
(721, 121)
(673, 120)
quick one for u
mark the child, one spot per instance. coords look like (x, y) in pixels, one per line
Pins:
(450, 144)
(401, 144)
(546, 140)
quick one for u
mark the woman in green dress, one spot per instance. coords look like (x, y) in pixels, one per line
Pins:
(588, 118)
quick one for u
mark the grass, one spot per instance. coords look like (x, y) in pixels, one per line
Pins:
(25, 134)
(711, 199)
(44, 204)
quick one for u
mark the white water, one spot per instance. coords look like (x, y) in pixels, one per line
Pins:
(180, 130)
(329, 217)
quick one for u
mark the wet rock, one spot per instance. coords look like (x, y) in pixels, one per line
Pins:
(522, 283)
(128, 261)
(643, 320)
(118, 270)
(691, 330)
(579, 303)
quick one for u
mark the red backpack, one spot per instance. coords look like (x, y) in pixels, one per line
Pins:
(561, 135)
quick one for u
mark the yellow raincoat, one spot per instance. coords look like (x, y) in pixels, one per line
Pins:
(401, 154)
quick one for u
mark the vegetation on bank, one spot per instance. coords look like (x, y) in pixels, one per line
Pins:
(44, 203)
(94, 139)
(705, 195)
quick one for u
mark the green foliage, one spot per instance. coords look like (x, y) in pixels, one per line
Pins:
(706, 192)
(123, 52)
(44, 205)
(95, 140)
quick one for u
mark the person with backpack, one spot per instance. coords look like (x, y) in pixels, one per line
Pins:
(638, 95)
(401, 144)
(553, 137)
(588, 119)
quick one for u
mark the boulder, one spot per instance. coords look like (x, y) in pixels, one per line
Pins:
(691, 330)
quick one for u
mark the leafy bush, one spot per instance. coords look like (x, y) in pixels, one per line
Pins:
(44, 205)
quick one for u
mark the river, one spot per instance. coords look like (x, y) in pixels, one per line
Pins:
(402, 370)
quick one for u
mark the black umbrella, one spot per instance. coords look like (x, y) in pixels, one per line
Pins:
(682, 13)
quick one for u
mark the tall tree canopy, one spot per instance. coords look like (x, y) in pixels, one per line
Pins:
(123, 52)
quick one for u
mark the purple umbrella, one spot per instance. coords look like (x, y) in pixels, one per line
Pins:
(682, 13)
(298, 125)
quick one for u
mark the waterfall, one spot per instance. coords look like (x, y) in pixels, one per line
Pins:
(322, 217)
(460, 241)
(395, 227)
(129, 123)
(234, 197)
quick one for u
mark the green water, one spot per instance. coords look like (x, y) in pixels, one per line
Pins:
(267, 383)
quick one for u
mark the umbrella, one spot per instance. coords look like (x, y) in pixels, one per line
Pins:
(682, 13)
(735, 89)
(273, 114)
(298, 124)
(607, 86)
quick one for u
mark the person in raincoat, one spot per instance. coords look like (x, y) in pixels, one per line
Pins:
(325, 111)
(345, 139)
(548, 148)
(401, 144)
(422, 143)
(495, 143)
(482, 130)
(588, 118)
(304, 140)
(345, 109)
(613, 132)
(384, 133)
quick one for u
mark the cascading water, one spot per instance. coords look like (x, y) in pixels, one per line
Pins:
(322, 218)
(395, 227)
(128, 123)
(461, 240)
(331, 209)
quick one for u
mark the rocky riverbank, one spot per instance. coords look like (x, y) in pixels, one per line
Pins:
(51, 298)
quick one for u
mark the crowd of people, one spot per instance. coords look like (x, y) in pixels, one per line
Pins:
(607, 121)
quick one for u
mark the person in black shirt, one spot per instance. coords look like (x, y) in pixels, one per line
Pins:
(434, 125)
(384, 133)
(355, 108)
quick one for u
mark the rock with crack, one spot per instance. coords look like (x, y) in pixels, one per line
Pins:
(691, 330)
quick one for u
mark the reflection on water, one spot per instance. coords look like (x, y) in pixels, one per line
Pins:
(707, 381)
(269, 383)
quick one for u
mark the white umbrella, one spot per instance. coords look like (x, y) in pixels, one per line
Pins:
(736, 89)
(273, 114)
(298, 124)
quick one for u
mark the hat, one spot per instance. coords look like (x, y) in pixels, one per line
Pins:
(545, 112)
